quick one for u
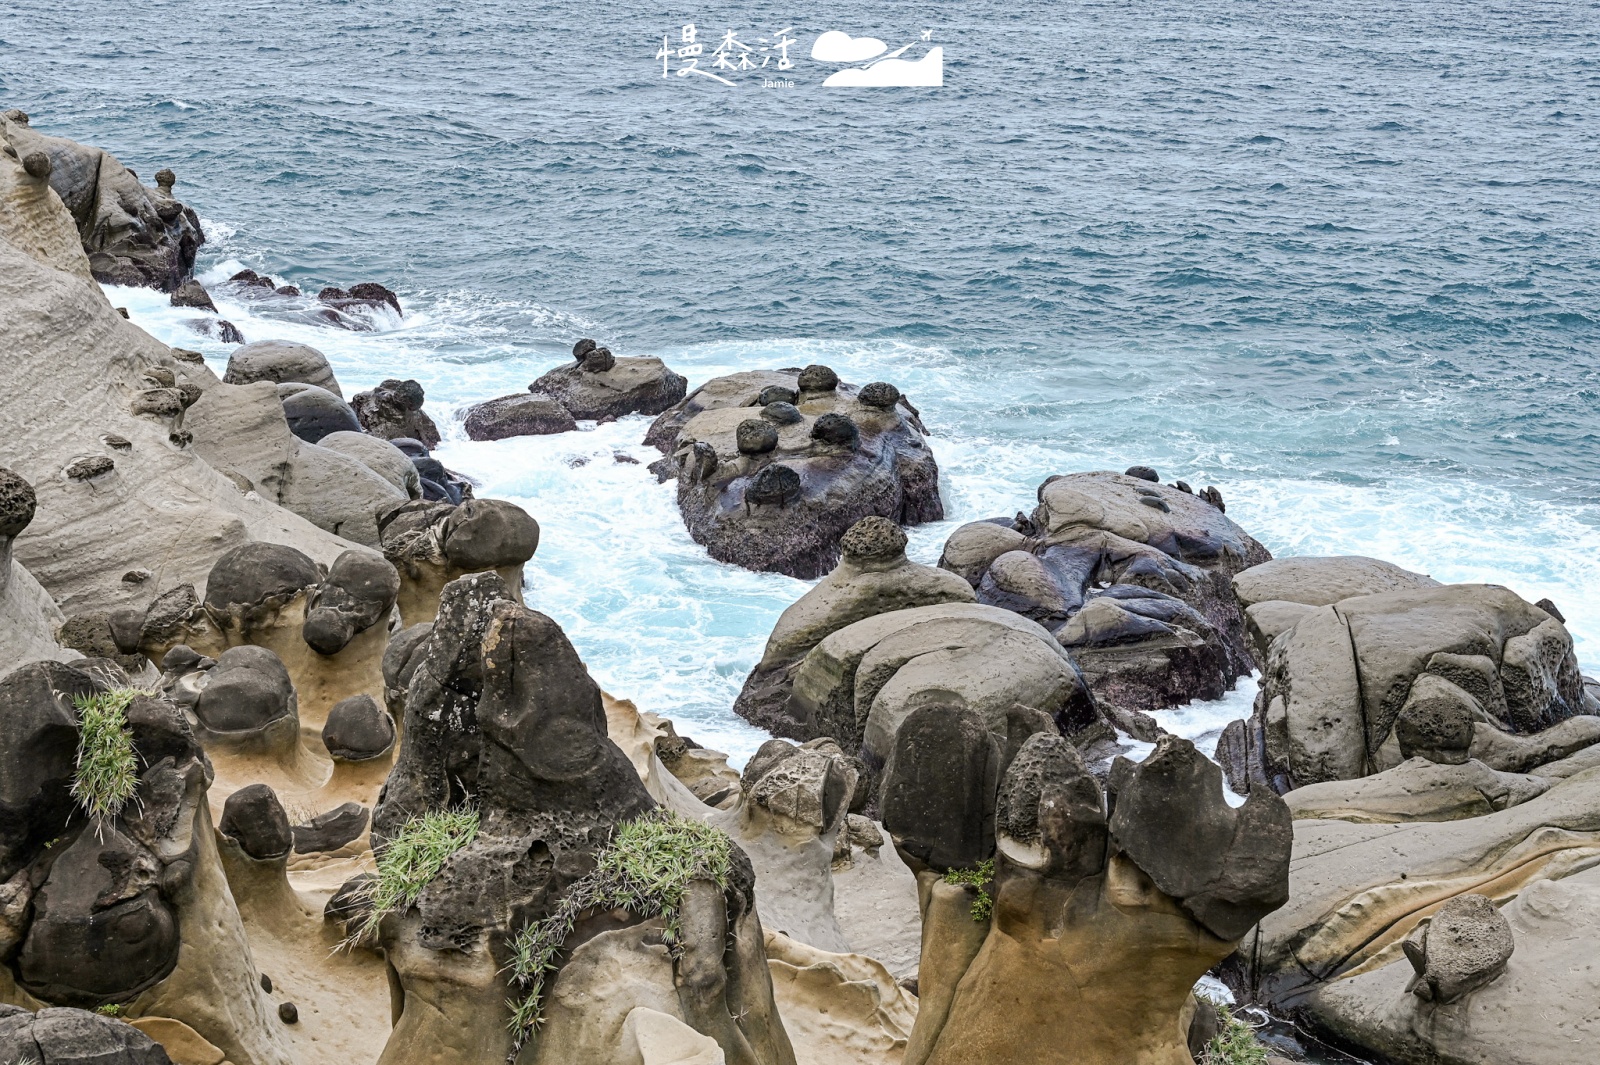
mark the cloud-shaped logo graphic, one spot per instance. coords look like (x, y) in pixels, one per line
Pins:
(927, 72)
(836, 47)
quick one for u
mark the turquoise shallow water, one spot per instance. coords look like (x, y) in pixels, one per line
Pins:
(1340, 263)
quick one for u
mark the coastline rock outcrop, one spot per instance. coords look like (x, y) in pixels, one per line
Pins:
(1341, 677)
(432, 544)
(501, 713)
(519, 414)
(394, 411)
(1062, 924)
(114, 889)
(761, 489)
(598, 384)
(132, 234)
(328, 628)
(1131, 576)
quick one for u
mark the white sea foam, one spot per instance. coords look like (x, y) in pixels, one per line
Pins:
(659, 622)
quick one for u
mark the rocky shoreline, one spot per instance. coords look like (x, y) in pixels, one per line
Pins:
(289, 772)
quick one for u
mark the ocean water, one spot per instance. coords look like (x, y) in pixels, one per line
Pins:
(1340, 262)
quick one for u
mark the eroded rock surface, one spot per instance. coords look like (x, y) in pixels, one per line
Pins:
(774, 493)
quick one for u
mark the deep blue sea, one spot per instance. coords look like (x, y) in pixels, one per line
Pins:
(1340, 260)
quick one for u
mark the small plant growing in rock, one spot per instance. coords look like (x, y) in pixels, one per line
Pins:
(978, 877)
(410, 860)
(108, 1009)
(108, 769)
(648, 865)
(1235, 1044)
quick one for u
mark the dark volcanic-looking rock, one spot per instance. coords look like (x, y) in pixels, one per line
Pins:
(358, 728)
(315, 412)
(247, 690)
(38, 757)
(844, 459)
(520, 414)
(133, 235)
(254, 818)
(331, 830)
(360, 588)
(1132, 576)
(394, 411)
(192, 294)
(58, 1035)
(605, 386)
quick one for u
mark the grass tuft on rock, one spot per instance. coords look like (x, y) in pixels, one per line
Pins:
(645, 870)
(978, 877)
(410, 860)
(1235, 1044)
(108, 769)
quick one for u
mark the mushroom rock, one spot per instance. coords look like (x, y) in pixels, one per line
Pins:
(501, 710)
(873, 577)
(1102, 910)
(394, 410)
(29, 617)
(328, 629)
(132, 234)
(432, 544)
(127, 905)
(842, 459)
(314, 412)
(787, 819)
(1133, 578)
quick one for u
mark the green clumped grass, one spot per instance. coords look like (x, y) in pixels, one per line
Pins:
(980, 877)
(109, 1009)
(108, 769)
(410, 860)
(1236, 1044)
(648, 865)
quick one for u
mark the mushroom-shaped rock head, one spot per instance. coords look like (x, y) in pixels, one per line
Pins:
(486, 533)
(782, 413)
(247, 690)
(257, 573)
(255, 819)
(939, 786)
(873, 539)
(1050, 816)
(880, 394)
(836, 429)
(1226, 867)
(17, 503)
(1144, 473)
(358, 729)
(101, 932)
(776, 394)
(360, 591)
(774, 484)
(1436, 727)
(581, 349)
(314, 412)
(756, 436)
(1461, 948)
(817, 378)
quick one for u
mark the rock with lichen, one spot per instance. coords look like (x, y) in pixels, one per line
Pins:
(774, 466)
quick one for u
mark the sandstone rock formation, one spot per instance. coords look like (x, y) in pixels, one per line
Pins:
(766, 491)
(86, 382)
(1093, 914)
(433, 543)
(114, 892)
(28, 616)
(1340, 676)
(598, 384)
(132, 235)
(1131, 576)
(328, 628)
(501, 713)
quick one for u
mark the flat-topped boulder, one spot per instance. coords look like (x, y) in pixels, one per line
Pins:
(598, 384)
(763, 489)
